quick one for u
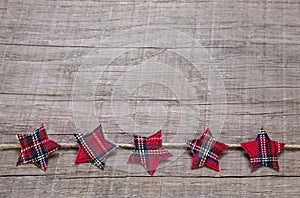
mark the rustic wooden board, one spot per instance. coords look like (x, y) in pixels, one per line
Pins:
(151, 186)
(69, 64)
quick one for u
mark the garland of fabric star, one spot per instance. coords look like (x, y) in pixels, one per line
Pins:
(147, 151)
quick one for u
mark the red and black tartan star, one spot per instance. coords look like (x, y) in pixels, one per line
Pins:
(36, 148)
(263, 151)
(93, 147)
(148, 151)
(206, 151)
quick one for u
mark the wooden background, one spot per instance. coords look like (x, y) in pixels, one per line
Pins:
(46, 45)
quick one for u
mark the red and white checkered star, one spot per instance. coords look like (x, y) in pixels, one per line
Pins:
(263, 151)
(148, 151)
(206, 151)
(93, 147)
(36, 148)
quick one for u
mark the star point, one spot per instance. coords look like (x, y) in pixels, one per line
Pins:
(93, 147)
(36, 148)
(263, 151)
(148, 151)
(206, 151)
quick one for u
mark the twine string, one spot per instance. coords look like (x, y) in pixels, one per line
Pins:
(131, 146)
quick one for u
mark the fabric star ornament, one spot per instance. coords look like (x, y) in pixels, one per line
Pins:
(36, 148)
(206, 151)
(263, 151)
(149, 151)
(93, 147)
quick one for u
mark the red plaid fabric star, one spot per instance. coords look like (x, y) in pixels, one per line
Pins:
(149, 151)
(93, 147)
(36, 148)
(206, 151)
(263, 151)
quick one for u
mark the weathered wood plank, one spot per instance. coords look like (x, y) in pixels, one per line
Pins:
(275, 103)
(30, 186)
(46, 45)
(233, 163)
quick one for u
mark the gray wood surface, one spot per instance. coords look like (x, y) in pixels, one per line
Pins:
(137, 67)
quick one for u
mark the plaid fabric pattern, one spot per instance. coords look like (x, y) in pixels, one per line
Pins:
(93, 147)
(149, 151)
(206, 151)
(36, 148)
(263, 151)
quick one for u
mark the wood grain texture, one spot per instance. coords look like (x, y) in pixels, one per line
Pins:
(48, 49)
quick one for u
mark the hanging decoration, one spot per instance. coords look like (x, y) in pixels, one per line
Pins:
(36, 148)
(263, 151)
(149, 151)
(93, 147)
(206, 151)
